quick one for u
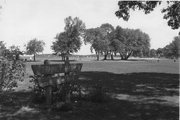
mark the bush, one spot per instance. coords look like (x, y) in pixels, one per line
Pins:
(38, 92)
(11, 71)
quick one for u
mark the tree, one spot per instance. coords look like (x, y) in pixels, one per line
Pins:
(171, 12)
(12, 53)
(69, 41)
(15, 51)
(94, 37)
(106, 29)
(172, 50)
(99, 39)
(153, 53)
(159, 52)
(35, 46)
(126, 41)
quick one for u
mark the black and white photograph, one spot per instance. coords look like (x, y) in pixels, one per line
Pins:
(89, 60)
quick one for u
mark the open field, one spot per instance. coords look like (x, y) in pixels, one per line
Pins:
(138, 89)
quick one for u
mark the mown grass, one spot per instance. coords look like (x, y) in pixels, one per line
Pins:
(137, 90)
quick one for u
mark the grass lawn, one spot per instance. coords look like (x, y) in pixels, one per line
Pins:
(136, 90)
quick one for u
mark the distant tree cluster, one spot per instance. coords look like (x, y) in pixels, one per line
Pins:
(171, 50)
(107, 40)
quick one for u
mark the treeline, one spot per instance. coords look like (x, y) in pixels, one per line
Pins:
(171, 50)
(104, 40)
(107, 40)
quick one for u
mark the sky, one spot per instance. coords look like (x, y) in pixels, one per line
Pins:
(24, 20)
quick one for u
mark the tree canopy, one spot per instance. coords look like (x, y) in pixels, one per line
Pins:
(107, 40)
(35, 46)
(98, 38)
(69, 41)
(172, 49)
(171, 12)
(126, 41)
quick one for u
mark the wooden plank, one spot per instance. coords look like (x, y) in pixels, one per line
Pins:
(47, 69)
(54, 68)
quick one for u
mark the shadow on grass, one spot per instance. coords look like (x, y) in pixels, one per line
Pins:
(128, 60)
(135, 96)
(139, 96)
(134, 83)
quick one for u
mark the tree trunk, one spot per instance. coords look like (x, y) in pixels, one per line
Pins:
(97, 53)
(105, 55)
(34, 57)
(115, 54)
(112, 57)
(125, 56)
(129, 54)
(122, 57)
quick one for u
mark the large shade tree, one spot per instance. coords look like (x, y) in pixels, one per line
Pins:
(94, 37)
(69, 41)
(35, 46)
(126, 41)
(99, 39)
(171, 11)
(106, 30)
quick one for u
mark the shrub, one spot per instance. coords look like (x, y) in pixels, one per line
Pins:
(38, 92)
(11, 71)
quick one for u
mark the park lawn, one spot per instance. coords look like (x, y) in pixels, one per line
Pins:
(134, 90)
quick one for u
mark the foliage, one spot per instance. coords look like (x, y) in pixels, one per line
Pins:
(39, 92)
(99, 38)
(35, 46)
(159, 52)
(126, 41)
(61, 93)
(12, 53)
(106, 29)
(171, 12)
(69, 41)
(2, 48)
(12, 70)
(153, 53)
(94, 37)
(107, 40)
(172, 50)
(10, 73)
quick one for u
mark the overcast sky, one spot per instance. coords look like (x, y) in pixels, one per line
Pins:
(23, 20)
